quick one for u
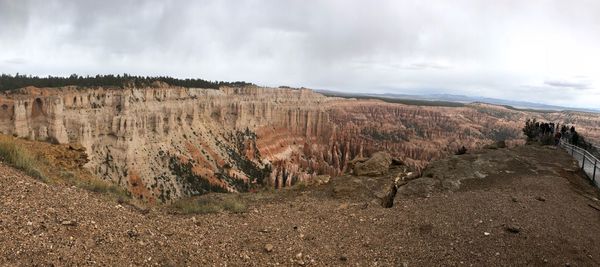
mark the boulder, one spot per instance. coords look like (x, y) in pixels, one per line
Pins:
(355, 161)
(378, 164)
(421, 187)
(321, 179)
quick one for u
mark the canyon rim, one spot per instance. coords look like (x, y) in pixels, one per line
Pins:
(163, 142)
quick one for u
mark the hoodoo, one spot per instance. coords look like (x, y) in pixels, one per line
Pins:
(163, 142)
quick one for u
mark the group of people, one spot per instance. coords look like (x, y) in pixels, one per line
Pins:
(545, 131)
(547, 128)
(567, 133)
(551, 129)
(570, 134)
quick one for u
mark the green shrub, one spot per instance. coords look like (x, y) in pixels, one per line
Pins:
(20, 159)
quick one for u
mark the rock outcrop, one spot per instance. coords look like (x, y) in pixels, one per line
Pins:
(165, 142)
(377, 164)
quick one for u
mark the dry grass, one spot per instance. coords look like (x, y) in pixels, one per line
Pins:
(21, 159)
(95, 185)
(234, 205)
(54, 164)
(301, 186)
(105, 187)
(205, 205)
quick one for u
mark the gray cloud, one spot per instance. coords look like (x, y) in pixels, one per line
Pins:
(568, 84)
(463, 47)
(15, 61)
(427, 66)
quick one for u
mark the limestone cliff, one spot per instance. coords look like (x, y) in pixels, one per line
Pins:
(165, 142)
(168, 142)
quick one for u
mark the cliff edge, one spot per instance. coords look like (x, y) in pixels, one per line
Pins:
(520, 206)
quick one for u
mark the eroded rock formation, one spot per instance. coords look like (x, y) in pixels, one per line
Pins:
(166, 142)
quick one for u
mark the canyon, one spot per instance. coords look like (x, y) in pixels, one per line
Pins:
(164, 142)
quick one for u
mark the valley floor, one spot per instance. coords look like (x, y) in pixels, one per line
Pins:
(538, 210)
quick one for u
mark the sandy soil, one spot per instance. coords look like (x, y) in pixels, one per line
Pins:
(535, 209)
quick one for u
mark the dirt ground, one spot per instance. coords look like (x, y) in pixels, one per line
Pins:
(525, 206)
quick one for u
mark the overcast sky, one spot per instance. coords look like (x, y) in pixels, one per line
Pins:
(540, 51)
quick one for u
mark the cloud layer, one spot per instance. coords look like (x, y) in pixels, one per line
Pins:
(495, 49)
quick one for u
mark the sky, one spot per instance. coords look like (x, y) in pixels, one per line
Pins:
(545, 51)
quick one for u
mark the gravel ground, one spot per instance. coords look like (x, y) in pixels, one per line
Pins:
(540, 212)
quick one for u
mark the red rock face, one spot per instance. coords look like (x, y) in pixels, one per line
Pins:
(164, 143)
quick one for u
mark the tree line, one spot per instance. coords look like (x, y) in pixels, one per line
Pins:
(9, 82)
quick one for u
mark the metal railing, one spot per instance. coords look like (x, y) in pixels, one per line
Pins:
(588, 163)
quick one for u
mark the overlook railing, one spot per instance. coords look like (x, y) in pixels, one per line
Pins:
(588, 163)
